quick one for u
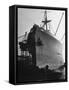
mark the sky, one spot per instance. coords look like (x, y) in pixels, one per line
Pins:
(28, 17)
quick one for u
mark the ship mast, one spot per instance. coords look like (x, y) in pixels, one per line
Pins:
(45, 20)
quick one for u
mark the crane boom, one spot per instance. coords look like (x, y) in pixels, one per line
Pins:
(59, 23)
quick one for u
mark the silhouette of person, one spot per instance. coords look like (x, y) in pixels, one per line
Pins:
(47, 67)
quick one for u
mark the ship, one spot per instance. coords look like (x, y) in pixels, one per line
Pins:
(50, 49)
(41, 48)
